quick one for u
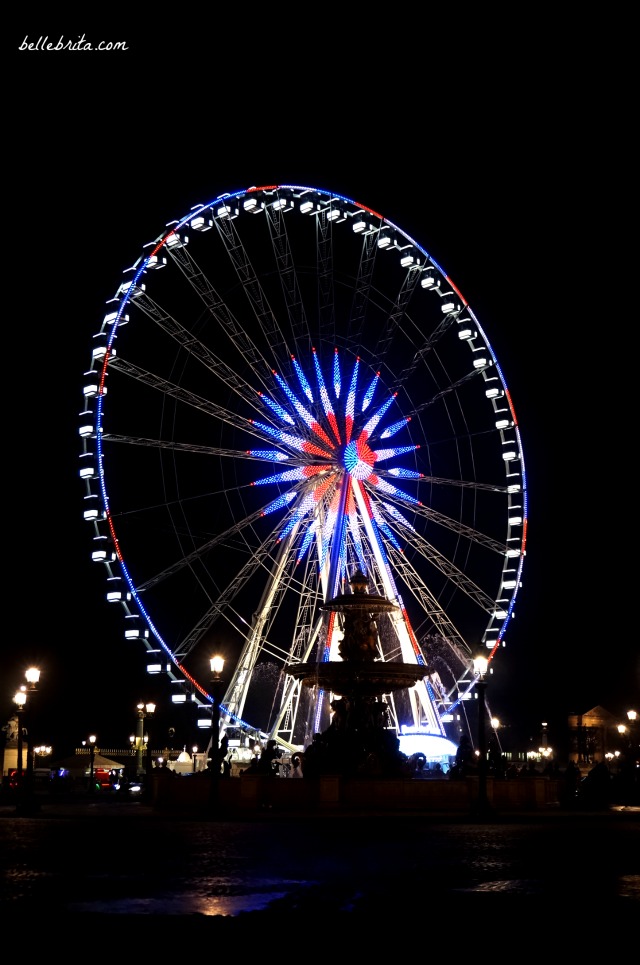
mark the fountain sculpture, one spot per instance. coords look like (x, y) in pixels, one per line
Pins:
(359, 741)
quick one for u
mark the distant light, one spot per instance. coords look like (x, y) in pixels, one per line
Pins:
(433, 746)
(480, 664)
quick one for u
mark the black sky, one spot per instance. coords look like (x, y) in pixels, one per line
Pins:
(489, 154)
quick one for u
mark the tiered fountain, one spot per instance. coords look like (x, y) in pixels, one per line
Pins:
(358, 740)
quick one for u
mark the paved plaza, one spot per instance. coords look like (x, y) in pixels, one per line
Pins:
(114, 864)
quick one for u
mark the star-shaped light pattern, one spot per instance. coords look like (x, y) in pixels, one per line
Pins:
(330, 443)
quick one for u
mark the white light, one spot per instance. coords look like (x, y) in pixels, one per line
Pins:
(503, 423)
(90, 390)
(99, 556)
(87, 472)
(217, 665)
(153, 262)
(154, 668)
(479, 363)
(174, 240)
(493, 393)
(447, 307)
(114, 596)
(280, 204)
(515, 521)
(200, 224)
(507, 456)
(90, 514)
(359, 226)
(384, 242)
(428, 281)
(224, 211)
(178, 698)
(204, 722)
(466, 333)
(86, 432)
(406, 260)
(509, 584)
(480, 664)
(333, 214)
(433, 746)
(111, 318)
(307, 207)
(32, 675)
(514, 488)
(252, 205)
(511, 554)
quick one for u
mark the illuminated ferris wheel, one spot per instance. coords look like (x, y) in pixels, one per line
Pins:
(287, 389)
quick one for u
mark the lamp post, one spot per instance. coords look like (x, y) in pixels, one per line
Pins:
(149, 711)
(92, 761)
(217, 666)
(138, 742)
(480, 665)
(32, 676)
(194, 755)
(20, 700)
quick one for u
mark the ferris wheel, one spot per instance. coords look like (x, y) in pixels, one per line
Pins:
(287, 389)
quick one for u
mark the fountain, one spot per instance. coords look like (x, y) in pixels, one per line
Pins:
(359, 741)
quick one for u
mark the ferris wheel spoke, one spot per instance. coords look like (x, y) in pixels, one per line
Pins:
(198, 350)
(265, 317)
(218, 308)
(431, 609)
(453, 525)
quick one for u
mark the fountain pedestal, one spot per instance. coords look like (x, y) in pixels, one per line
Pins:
(359, 741)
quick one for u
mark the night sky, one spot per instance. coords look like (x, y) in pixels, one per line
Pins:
(494, 164)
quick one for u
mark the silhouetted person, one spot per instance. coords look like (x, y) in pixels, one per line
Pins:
(595, 789)
(570, 784)
(464, 756)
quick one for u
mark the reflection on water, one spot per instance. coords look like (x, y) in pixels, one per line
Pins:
(202, 901)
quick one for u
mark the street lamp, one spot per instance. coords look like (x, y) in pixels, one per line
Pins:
(144, 711)
(480, 665)
(32, 676)
(149, 711)
(20, 700)
(92, 761)
(217, 666)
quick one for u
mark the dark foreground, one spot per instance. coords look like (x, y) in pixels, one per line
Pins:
(433, 880)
